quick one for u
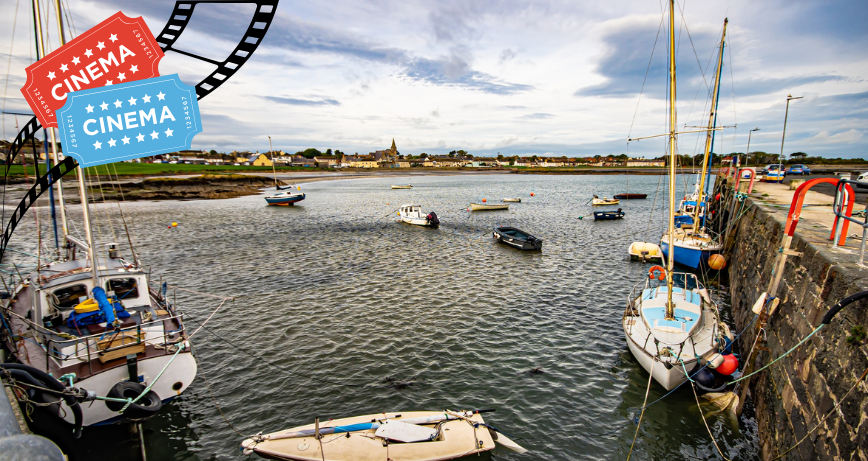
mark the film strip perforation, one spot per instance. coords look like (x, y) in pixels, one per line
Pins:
(30, 129)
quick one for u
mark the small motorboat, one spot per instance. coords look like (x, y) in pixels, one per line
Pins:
(412, 214)
(607, 215)
(630, 196)
(514, 200)
(645, 252)
(406, 436)
(285, 197)
(597, 201)
(517, 238)
(488, 206)
(402, 186)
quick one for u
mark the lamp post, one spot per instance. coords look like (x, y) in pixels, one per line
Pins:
(789, 98)
(747, 152)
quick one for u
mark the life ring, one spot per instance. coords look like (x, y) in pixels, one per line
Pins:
(147, 406)
(653, 273)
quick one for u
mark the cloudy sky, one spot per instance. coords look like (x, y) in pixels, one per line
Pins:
(511, 77)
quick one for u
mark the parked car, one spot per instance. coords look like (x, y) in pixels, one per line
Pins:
(798, 169)
(776, 168)
(746, 173)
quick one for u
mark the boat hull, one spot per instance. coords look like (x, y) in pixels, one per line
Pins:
(487, 207)
(608, 215)
(402, 187)
(631, 196)
(601, 202)
(689, 256)
(524, 241)
(457, 439)
(644, 251)
(284, 201)
(419, 222)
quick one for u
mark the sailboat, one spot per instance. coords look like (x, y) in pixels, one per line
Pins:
(692, 243)
(289, 195)
(89, 327)
(670, 323)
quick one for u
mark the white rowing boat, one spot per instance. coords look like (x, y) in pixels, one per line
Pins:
(489, 206)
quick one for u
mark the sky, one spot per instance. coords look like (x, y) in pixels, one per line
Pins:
(510, 77)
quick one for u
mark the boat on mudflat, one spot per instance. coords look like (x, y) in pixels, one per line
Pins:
(405, 436)
(517, 238)
(608, 215)
(630, 196)
(514, 200)
(488, 206)
(412, 214)
(402, 186)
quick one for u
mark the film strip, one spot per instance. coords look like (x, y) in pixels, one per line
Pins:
(181, 14)
(42, 184)
(24, 135)
(259, 25)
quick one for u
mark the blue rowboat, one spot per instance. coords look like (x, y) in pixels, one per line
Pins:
(607, 215)
(285, 198)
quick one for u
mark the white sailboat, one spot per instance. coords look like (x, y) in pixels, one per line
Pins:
(670, 323)
(694, 244)
(92, 329)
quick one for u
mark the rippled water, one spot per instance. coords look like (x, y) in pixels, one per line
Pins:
(347, 302)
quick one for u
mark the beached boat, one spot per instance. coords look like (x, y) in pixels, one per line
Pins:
(402, 186)
(645, 252)
(285, 198)
(405, 436)
(608, 215)
(513, 200)
(488, 206)
(630, 196)
(412, 214)
(597, 201)
(670, 323)
(517, 238)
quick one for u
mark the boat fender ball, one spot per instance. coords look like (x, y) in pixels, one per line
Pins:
(483, 200)
(715, 361)
(532, 194)
(716, 262)
(174, 224)
(704, 377)
(729, 365)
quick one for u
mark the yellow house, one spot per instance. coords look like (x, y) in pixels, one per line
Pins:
(259, 160)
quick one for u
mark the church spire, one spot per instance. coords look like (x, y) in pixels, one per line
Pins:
(394, 149)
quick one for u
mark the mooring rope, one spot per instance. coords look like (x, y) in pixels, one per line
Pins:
(642, 413)
(695, 395)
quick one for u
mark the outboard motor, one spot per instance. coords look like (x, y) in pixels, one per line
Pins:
(432, 219)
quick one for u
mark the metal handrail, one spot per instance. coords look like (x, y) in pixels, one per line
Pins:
(838, 209)
(95, 338)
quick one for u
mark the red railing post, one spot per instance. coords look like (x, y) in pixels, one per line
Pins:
(799, 199)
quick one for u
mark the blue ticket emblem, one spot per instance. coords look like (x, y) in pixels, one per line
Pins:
(130, 120)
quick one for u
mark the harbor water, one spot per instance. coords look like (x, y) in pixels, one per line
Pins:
(340, 310)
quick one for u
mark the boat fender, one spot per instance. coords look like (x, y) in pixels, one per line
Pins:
(657, 272)
(52, 383)
(715, 361)
(145, 408)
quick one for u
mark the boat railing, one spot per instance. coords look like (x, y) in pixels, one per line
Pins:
(111, 342)
(683, 280)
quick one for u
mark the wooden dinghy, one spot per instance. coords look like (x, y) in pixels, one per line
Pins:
(513, 199)
(402, 186)
(517, 238)
(406, 436)
(489, 206)
(645, 252)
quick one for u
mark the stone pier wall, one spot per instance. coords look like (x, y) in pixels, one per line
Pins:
(793, 395)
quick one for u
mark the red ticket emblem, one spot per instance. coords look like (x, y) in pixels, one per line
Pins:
(117, 50)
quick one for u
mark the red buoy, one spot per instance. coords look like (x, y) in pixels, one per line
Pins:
(729, 365)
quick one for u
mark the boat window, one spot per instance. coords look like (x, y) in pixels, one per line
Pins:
(124, 288)
(68, 297)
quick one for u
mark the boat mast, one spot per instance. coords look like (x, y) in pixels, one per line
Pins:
(712, 117)
(273, 171)
(54, 157)
(670, 263)
(79, 175)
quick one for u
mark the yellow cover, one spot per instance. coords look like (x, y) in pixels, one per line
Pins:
(88, 305)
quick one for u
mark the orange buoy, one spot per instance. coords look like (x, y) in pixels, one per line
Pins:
(729, 365)
(174, 224)
(483, 200)
(532, 194)
(716, 262)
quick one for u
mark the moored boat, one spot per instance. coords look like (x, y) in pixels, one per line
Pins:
(517, 238)
(597, 201)
(645, 252)
(412, 214)
(630, 196)
(608, 215)
(513, 200)
(402, 186)
(285, 198)
(405, 436)
(488, 206)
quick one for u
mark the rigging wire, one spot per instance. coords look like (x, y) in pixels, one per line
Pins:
(8, 67)
(644, 79)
